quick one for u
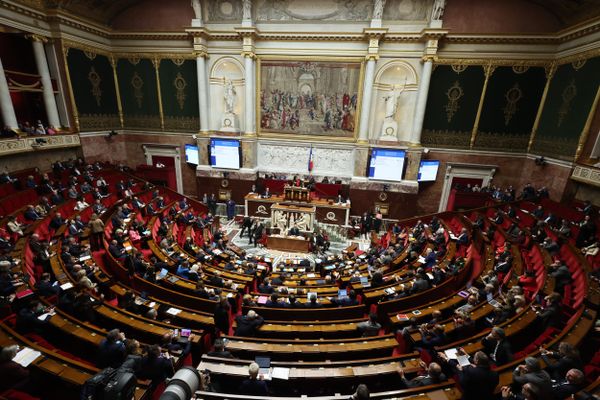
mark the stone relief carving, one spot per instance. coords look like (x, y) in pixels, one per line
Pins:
(283, 158)
(333, 161)
(407, 10)
(294, 159)
(224, 10)
(307, 10)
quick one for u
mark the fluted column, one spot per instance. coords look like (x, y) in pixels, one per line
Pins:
(365, 107)
(6, 107)
(417, 127)
(202, 91)
(48, 90)
(249, 109)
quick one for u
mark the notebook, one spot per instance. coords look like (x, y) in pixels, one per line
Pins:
(163, 272)
(364, 281)
(342, 293)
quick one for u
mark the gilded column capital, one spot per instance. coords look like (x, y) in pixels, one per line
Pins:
(429, 57)
(550, 69)
(36, 38)
(372, 57)
(155, 62)
(201, 54)
(249, 54)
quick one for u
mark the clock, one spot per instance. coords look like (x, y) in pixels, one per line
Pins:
(383, 196)
(224, 183)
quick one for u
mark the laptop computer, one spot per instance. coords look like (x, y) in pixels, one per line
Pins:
(264, 366)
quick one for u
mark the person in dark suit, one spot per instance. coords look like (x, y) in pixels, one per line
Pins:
(567, 387)
(558, 363)
(219, 350)
(111, 352)
(246, 226)
(253, 385)
(434, 375)
(116, 251)
(57, 221)
(477, 380)
(313, 303)
(463, 238)
(258, 232)
(14, 376)
(496, 347)
(347, 301)
(30, 214)
(27, 318)
(531, 372)
(45, 287)
(155, 366)
(551, 314)
(294, 231)
(248, 324)
(221, 316)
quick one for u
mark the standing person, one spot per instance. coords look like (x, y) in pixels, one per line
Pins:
(230, 209)
(212, 204)
(221, 316)
(97, 230)
(246, 226)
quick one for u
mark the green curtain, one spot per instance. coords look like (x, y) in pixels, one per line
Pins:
(511, 103)
(179, 92)
(139, 94)
(452, 103)
(568, 104)
(93, 87)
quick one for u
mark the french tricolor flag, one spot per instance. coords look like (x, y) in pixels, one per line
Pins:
(311, 161)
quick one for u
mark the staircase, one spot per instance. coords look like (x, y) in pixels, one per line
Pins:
(336, 233)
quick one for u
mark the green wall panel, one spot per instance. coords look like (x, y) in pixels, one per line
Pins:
(568, 104)
(452, 106)
(179, 92)
(511, 103)
(139, 94)
(93, 87)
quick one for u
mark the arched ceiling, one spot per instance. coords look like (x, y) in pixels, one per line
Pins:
(568, 12)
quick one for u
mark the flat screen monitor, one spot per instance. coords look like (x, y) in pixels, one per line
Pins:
(428, 170)
(191, 154)
(225, 153)
(386, 164)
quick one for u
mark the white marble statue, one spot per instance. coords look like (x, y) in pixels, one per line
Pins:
(247, 10)
(378, 9)
(280, 221)
(229, 96)
(303, 222)
(197, 9)
(438, 10)
(391, 102)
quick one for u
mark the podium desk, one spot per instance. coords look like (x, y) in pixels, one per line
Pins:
(326, 211)
(288, 243)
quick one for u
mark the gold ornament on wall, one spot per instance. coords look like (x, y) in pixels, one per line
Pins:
(578, 64)
(137, 83)
(512, 96)
(454, 94)
(180, 85)
(89, 54)
(568, 95)
(95, 80)
(458, 68)
(520, 69)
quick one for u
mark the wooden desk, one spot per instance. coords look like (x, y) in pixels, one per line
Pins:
(283, 243)
(329, 213)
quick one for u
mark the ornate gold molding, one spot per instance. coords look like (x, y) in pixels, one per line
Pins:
(36, 38)
(113, 64)
(549, 71)
(65, 51)
(586, 128)
(488, 71)
(156, 64)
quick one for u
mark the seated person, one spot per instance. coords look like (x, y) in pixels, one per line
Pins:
(254, 385)
(370, 327)
(294, 231)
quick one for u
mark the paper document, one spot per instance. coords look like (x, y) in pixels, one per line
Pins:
(26, 357)
(280, 373)
(173, 311)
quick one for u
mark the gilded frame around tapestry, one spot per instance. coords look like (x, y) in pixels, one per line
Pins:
(319, 125)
